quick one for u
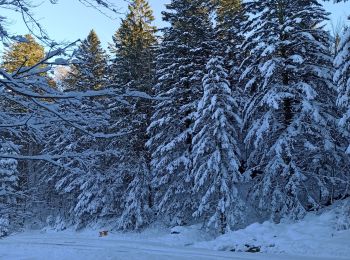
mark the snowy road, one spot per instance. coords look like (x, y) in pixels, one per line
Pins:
(37, 246)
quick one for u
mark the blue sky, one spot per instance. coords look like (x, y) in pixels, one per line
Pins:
(70, 20)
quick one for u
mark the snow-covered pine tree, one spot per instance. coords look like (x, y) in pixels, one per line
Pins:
(292, 136)
(9, 188)
(342, 78)
(183, 54)
(133, 70)
(18, 57)
(136, 199)
(86, 188)
(216, 155)
(133, 47)
(86, 178)
(35, 107)
(230, 19)
(89, 71)
(23, 54)
(342, 81)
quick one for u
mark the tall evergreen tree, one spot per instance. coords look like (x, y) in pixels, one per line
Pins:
(290, 113)
(87, 180)
(133, 71)
(342, 78)
(25, 53)
(133, 46)
(21, 59)
(86, 186)
(230, 19)
(89, 71)
(216, 152)
(9, 189)
(183, 54)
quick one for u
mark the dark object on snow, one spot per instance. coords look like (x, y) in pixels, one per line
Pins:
(175, 232)
(252, 249)
(103, 233)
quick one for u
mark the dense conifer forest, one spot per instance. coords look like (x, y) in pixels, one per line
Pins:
(236, 112)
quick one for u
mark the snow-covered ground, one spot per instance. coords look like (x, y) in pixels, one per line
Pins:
(36, 246)
(314, 238)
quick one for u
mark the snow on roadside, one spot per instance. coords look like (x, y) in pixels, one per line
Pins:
(87, 245)
(318, 236)
(315, 235)
(156, 233)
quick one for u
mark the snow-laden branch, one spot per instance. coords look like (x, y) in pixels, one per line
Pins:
(19, 87)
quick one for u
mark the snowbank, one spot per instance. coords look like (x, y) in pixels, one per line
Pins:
(316, 235)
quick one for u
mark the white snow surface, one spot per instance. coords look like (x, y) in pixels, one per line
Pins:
(314, 238)
(316, 235)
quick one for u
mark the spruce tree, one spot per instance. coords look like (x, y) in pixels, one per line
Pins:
(216, 155)
(227, 9)
(230, 19)
(183, 54)
(23, 54)
(133, 71)
(342, 78)
(9, 189)
(133, 46)
(87, 185)
(87, 180)
(292, 138)
(89, 70)
(342, 81)
(21, 60)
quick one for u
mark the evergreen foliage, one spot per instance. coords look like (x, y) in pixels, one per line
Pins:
(86, 178)
(89, 71)
(133, 46)
(236, 113)
(342, 78)
(22, 54)
(9, 189)
(183, 54)
(133, 70)
(290, 113)
(216, 155)
(229, 33)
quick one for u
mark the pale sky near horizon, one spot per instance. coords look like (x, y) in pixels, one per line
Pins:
(69, 20)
